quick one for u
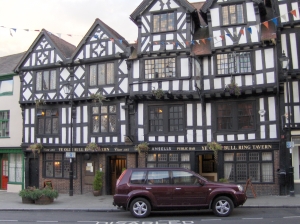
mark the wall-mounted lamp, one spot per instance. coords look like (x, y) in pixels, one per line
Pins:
(262, 112)
(40, 113)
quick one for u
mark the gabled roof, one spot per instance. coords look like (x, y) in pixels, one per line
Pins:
(111, 33)
(145, 3)
(64, 48)
(8, 63)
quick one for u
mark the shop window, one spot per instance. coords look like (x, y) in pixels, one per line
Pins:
(6, 87)
(102, 74)
(58, 166)
(15, 168)
(234, 63)
(47, 121)
(104, 119)
(4, 123)
(166, 118)
(235, 116)
(163, 22)
(46, 80)
(232, 14)
(169, 160)
(240, 166)
(160, 68)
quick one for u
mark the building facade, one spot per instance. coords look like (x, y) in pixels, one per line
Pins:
(199, 74)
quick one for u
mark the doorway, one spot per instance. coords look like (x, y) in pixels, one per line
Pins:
(33, 172)
(4, 178)
(116, 164)
(207, 166)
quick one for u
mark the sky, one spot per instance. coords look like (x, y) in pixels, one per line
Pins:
(62, 18)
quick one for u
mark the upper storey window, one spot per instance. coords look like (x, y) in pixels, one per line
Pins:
(160, 68)
(232, 14)
(46, 80)
(102, 74)
(234, 63)
(163, 22)
(6, 87)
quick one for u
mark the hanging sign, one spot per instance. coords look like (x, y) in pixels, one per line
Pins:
(70, 154)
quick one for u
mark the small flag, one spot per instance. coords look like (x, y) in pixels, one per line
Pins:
(112, 39)
(294, 12)
(249, 29)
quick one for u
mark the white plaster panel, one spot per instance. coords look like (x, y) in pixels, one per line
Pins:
(124, 85)
(151, 138)
(122, 112)
(136, 69)
(243, 38)
(32, 116)
(63, 135)
(50, 140)
(190, 136)
(100, 139)
(52, 57)
(154, 85)
(215, 17)
(56, 140)
(294, 50)
(33, 56)
(155, 7)
(212, 68)
(63, 116)
(206, 84)
(295, 92)
(156, 37)
(173, 5)
(78, 115)
(141, 114)
(217, 83)
(145, 86)
(27, 62)
(107, 139)
(85, 114)
(181, 20)
(64, 74)
(135, 87)
(145, 24)
(78, 135)
(123, 67)
(171, 138)
(272, 109)
(199, 114)
(241, 137)
(270, 77)
(123, 132)
(261, 107)
(169, 47)
(218, 42)
(27, 94)
(208, 133)
(296, 6)
(161, 138)
(115, 139)
(251, 136)
(189, 112)
(108, 90)
(269, 58)
(259, 79)
(220, 138)
(145, 44)
(238, 80)
(170, 36)
(283, 11)
(248, 80)
(165, 85)
(273, 131)
(26, 135)
(181, 139)
(85, 137)
(176, 85)
(186, 85)
(141, 137)
(118, 49)
(284, 44)
(230, 137)
(184, 67)
(199, 135)
(208, 114)
(258, 60)
(87, 51)
(250, 12)
(205, 66)
(262, 131)
(228, 39)
(297, 114)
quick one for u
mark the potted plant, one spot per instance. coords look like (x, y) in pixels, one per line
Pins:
(27, 195)
(97, 183)
(215, 147)
(91, 147)
(39, 102)
(233, 88)
(142, 147)
(35, 148)
(97, 98)
(158, 93)
(38, 196)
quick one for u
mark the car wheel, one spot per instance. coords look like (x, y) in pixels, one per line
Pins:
(140, 208)
(222, 206)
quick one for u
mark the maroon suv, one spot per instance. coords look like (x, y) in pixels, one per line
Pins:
(142, 190)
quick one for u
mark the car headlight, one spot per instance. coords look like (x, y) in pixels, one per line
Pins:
(240, 187)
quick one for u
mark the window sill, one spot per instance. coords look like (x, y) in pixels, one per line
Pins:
(6, 94)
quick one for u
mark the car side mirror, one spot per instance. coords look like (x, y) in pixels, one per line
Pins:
(201, 182)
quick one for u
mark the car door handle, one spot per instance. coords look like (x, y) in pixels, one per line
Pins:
(148, 188)
(177, 188)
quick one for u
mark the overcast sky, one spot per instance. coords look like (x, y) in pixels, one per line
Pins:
(74, 17)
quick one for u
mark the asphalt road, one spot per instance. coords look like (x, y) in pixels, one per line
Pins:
(239, 215)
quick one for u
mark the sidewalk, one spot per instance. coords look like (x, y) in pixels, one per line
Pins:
(88, 202)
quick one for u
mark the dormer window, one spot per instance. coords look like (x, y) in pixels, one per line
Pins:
(46, 80)
(232, 14)
(163, 22)
(160, 68)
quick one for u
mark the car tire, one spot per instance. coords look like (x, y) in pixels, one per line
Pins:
(140, 208)
(222, 206)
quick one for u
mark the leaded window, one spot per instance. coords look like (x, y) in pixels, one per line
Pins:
(234, 116)
(234, 63)
(6, 87)
(163, 22)
(46, 80)
(57, 165)
(240, 166)
(102, 74)
(47, 121)
(104, 119)
(4, 123)
(160, 68)
(232, 14)
(15, 168)
(169, 160)
(166, 118)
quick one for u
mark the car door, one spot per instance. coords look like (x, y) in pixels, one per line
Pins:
(187, 191)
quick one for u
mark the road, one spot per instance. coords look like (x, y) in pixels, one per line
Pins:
(239, 215)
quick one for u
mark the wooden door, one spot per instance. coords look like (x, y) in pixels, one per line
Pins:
(117, 163)
(4, 179)
(34, 172)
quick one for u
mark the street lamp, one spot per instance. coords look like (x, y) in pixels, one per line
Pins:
(284, 61)
(69, 91)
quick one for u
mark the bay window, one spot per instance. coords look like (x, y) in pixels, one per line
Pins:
(234, 63)
(160, 68)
